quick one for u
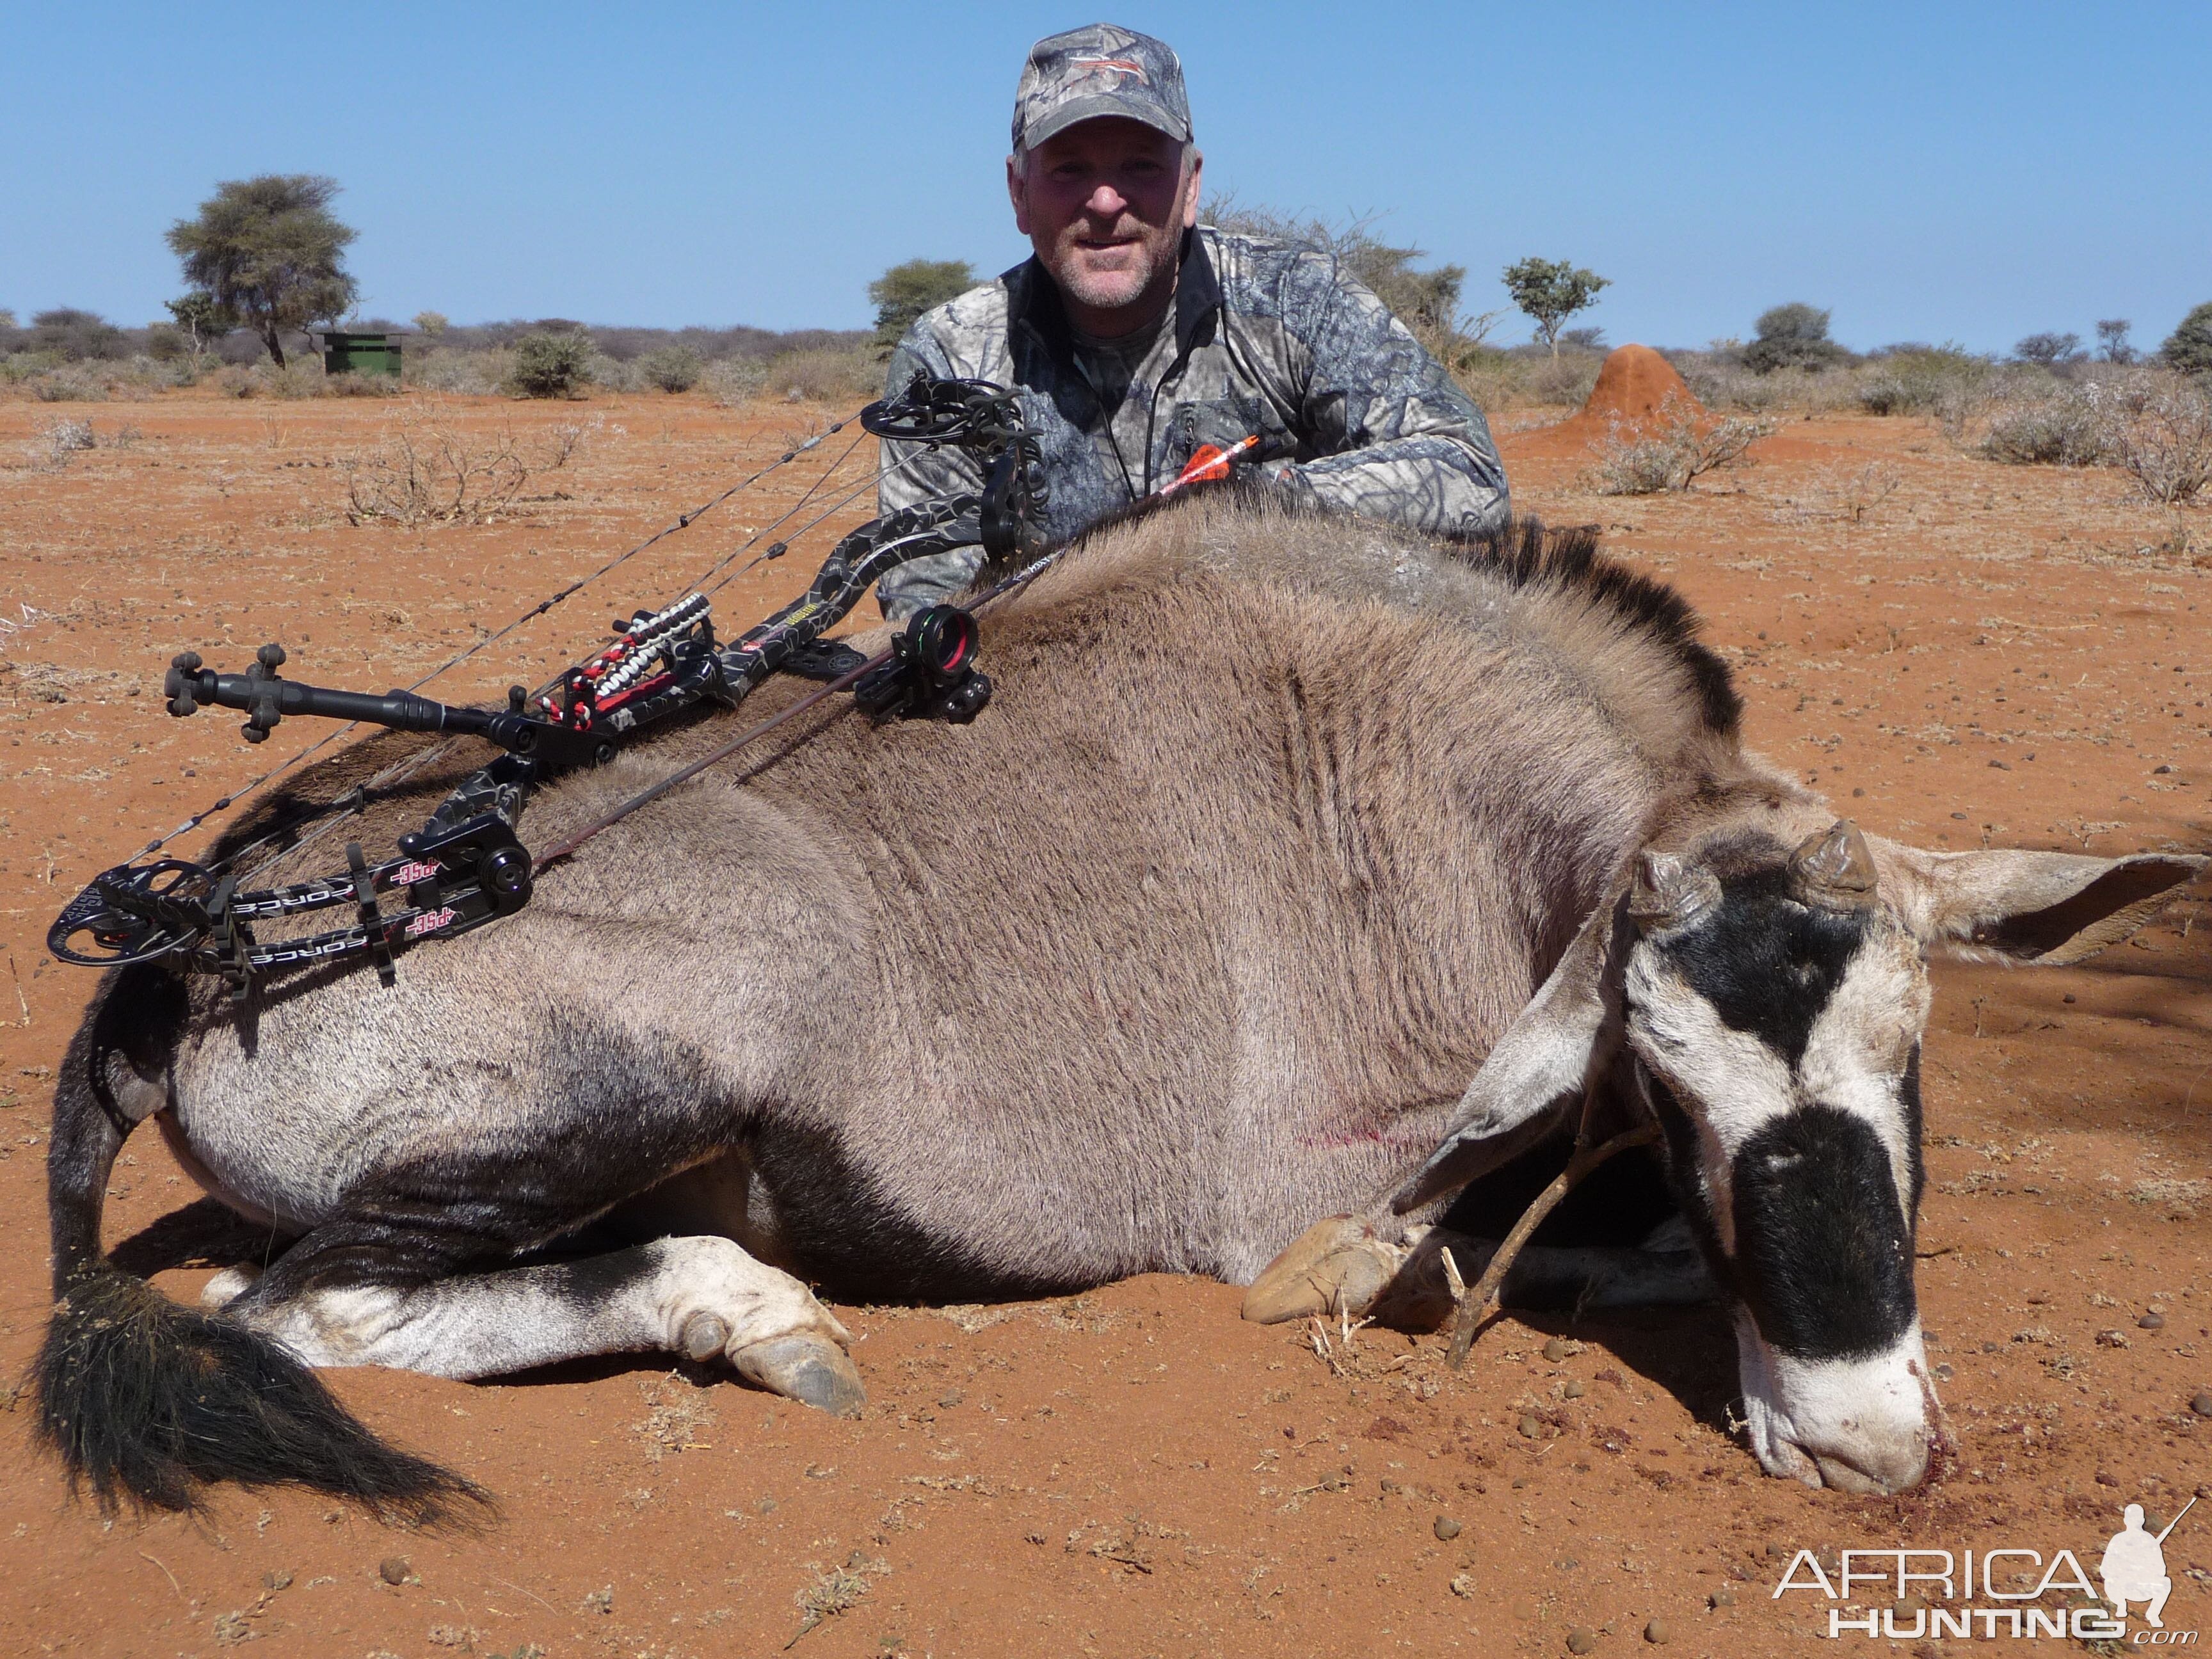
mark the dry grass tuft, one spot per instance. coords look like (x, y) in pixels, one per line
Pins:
(425, 470)
(677, 1419)
(837, 1591)
(1679, 446)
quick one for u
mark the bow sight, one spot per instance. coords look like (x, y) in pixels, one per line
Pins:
(465, 867)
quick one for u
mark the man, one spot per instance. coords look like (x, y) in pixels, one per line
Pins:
(2134, 1568)
(1135, 335)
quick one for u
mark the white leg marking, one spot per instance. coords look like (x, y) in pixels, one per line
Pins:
(228, 1285)
(655, 1296)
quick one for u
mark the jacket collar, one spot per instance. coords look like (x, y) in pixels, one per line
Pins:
(1034, 301)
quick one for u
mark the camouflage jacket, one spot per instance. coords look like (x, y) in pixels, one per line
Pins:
(1264, 338)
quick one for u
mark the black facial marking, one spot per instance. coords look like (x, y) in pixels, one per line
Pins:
(1681, 1144)
(1908, 1094)
(1823, 1248)
(1767, 963)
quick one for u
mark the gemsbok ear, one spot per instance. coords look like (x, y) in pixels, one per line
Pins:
(1557, 1047)
(2049, 907)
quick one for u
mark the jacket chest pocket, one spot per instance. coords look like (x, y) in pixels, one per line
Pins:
(1226, 421)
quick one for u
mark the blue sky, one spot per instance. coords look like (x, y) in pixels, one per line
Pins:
(1928, 172)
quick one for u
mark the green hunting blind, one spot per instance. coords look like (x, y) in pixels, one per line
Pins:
(346, 352)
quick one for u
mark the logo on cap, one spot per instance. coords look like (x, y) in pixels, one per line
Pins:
(1115, 65)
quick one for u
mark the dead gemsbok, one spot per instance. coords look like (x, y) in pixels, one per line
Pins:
(1280, 829)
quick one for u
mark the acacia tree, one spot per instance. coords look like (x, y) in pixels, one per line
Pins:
(1551, 291)
(905, 291)
(2049, 350)
(268, 251)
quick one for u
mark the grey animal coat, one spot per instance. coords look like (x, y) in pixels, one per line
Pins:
(1275, 827)
(1265, 339)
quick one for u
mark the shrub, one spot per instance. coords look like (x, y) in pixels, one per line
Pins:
(1720, 380)
(424, 471)
(824, 376)
(1946, 380)
(2189, 348)
(76, 336)
(2067, 430)
(353, 385)
(550, 364)
(477, 372)
(302, 377)
(1566, 378)
(23, 366)
(72, 384)
(1680, 446)
(2050, 349)
(64, 439)
(431, 323)
(730, 381)
(1792, 336)
(672, 368)
(614, 373)
(2159, 431)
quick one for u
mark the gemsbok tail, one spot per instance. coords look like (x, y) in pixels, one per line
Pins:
(153, 1402)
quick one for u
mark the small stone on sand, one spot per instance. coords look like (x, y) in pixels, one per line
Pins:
(1580, 1639)
(1446, 1528)
(394, 1569)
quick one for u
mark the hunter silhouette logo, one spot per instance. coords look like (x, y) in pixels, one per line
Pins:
(1985, 1593)
(2134, 1566)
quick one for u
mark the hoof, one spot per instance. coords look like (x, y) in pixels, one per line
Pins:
(803, 1366)
(705, 1335)
(1335, 1266)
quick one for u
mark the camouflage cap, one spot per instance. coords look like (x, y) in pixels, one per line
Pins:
(1100, 69)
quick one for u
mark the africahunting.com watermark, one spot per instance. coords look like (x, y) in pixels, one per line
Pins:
(1985, 1594)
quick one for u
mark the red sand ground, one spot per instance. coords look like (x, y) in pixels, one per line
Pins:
(1958, 653)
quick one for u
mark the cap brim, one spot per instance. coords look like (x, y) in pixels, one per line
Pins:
(1076, 110)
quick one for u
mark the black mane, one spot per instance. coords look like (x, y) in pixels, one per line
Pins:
(1523, 552)
(1527, 554)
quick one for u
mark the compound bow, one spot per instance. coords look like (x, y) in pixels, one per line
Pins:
(467, 865)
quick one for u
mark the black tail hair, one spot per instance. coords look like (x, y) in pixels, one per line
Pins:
(152, 1402)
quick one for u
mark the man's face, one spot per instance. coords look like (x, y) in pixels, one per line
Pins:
(1105, 204)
